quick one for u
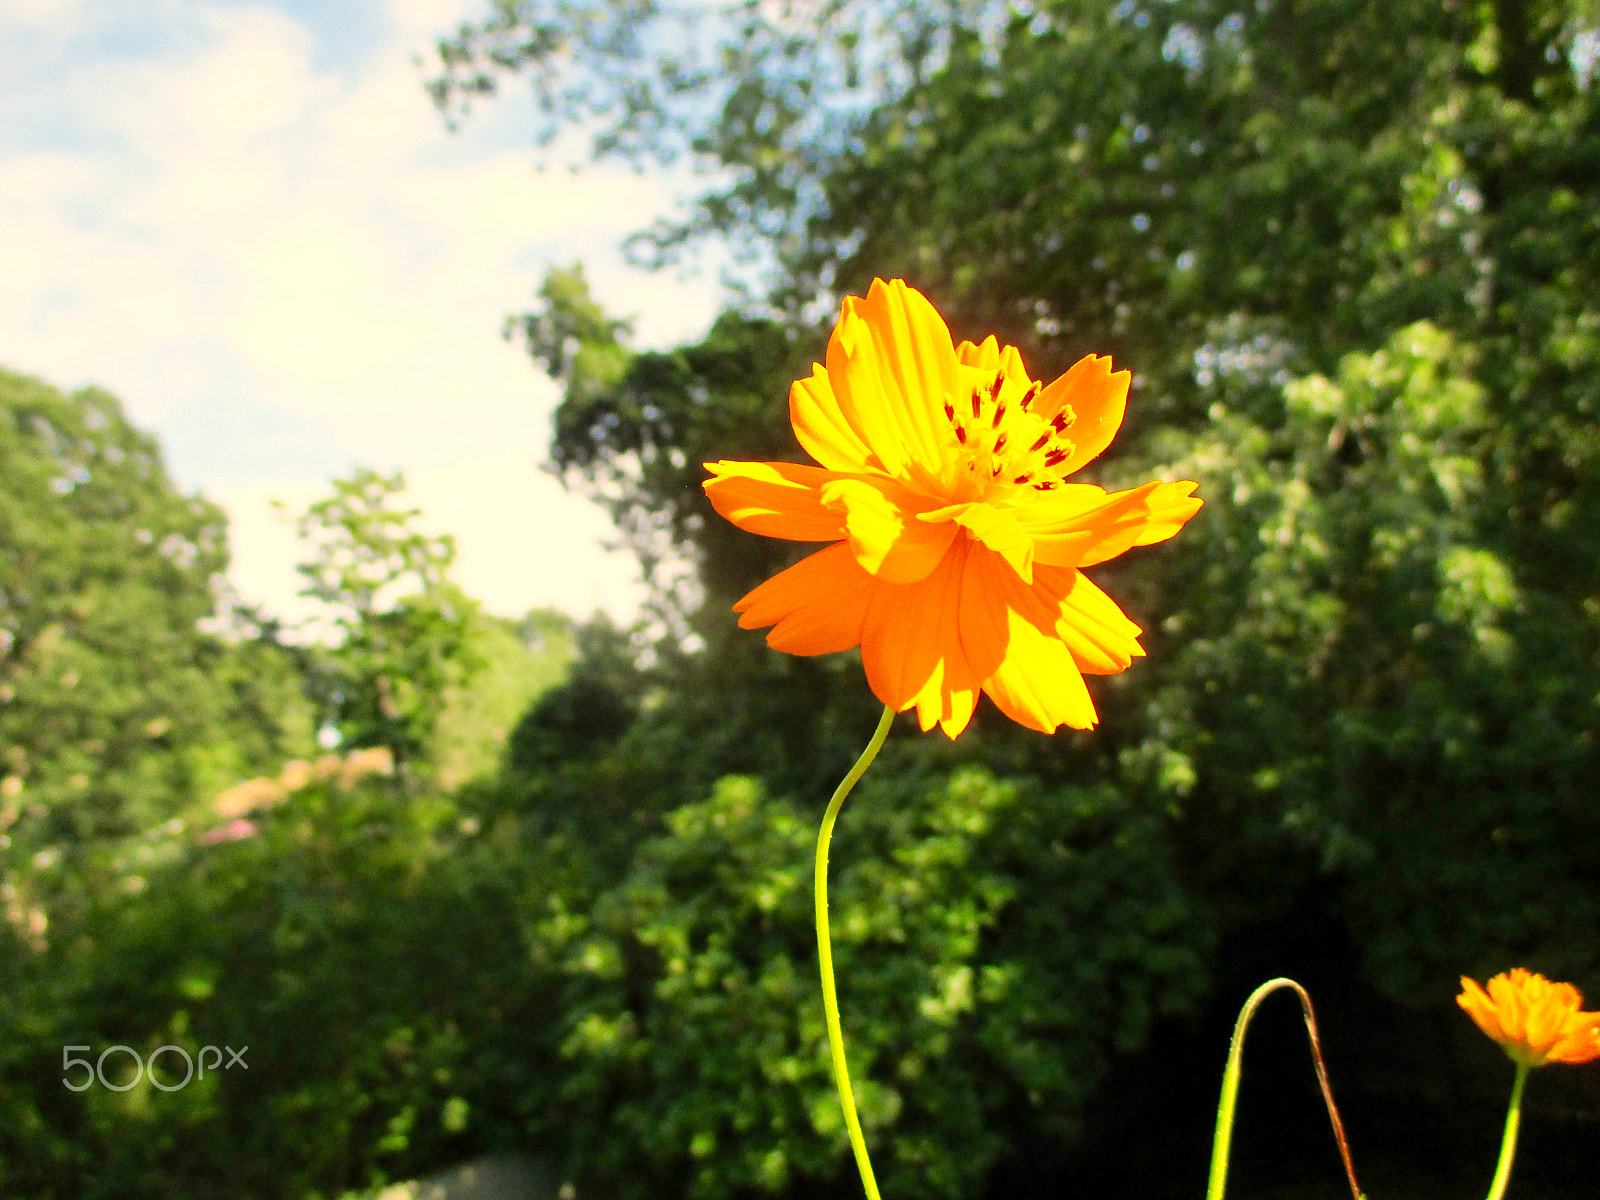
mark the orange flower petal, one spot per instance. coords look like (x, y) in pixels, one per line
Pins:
(821, 427)
(911, 646)
(989, 358)
(1039, 685)
(1082, 529)
(958, 709)
(1480, 1008)
(1035, 683)
(1084, 525)
(885, 536)
(779, 500)
(890, 364)
(985, 355)
(1578, 1047)
(1097, 397)
(996, 528)
(816, 606)
(1098, 634)
(1171, 506)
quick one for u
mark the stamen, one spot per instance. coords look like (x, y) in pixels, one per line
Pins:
(1054, 457)
(995, 474)
(1023, 478)
(949, 411)
(961, 434)
(999, 382)
(1060, 421)
(1033, 391)
(1046, 486)
(999, 443)
(1043, 438)
(975, 403)
(1000, 411)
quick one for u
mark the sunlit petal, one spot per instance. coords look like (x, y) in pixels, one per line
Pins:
(911, 648)
(1035, 681)
(822, 429)
(1039, 685)
(885, 535)
(817, 606)
(891, 363)
(1093, 533)
(1096, 398)
(1171, 506)
(1099, 635)
(781, 500)
(996, 528)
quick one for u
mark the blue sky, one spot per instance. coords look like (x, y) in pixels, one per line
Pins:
(246, 220)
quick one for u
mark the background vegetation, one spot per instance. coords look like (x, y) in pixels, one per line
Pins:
(1350, 249)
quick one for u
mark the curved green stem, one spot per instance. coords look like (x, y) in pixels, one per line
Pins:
(830, 1000)
(1508, 1144)
(1222, 1141)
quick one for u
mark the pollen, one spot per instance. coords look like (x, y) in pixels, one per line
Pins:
(1005, 406)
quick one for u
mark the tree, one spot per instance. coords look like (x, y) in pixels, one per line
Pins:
(117, 709)
(401, 628)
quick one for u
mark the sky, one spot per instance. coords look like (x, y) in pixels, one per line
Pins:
(247, 221)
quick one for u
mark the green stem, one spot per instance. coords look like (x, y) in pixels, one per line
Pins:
(1508, 1144)
(1222, 1141)
(830, 1000)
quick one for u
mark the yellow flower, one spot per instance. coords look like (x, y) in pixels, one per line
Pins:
(957, 538)
(1534, 1020)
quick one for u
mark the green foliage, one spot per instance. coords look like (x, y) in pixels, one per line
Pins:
(402, 629)
(521, 661)
(994, 941)
(592, 707)
(570, 336)
(633, 428)
(1396, 686)
(363, 945)
(116, 708)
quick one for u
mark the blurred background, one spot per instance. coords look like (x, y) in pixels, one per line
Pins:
(370, 699)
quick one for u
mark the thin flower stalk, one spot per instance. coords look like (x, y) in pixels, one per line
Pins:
(830, 999)
(1508, 1140)
(1222, 1139)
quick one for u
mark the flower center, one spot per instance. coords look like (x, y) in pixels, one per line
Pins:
(1003, 443)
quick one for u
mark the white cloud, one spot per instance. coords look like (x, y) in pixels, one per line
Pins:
(40, 14)
(285, 266)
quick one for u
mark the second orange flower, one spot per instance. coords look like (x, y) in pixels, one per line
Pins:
(1534, 1020)
(958, 541)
